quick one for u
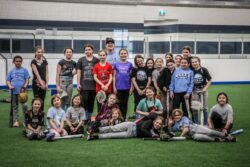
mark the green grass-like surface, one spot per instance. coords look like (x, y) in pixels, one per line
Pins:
(15, 150)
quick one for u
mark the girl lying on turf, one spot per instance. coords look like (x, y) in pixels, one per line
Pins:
(56, 117)
(181, 123)
(75, 116)
(147, 128)
(34, 120)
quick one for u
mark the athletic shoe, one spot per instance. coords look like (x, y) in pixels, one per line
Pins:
(46, 131)
(230, 139)
(92, 137)
(164, 137)
(50, 136)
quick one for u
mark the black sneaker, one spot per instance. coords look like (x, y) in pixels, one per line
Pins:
(50, 136)
(164, 137)
(230, 139)
(92, 137)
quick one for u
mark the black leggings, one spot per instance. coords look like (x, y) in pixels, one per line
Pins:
(122, 96)
(38, 92)
(88, 98)
(137, 99)
(218, 122)
(180, 100)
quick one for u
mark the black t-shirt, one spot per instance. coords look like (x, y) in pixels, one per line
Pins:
(141, 75)
(201, 77)
(146, 129)
(67, 67)
(87, 76)
(41, 68)
(34, 120)
(164, 78)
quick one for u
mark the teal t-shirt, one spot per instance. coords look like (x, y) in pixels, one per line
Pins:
(144, 106)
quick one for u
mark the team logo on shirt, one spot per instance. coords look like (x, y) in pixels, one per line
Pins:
(198, 79)
(183, 76)
(141, 75)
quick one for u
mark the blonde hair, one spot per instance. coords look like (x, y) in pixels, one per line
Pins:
(120, 118)
(177, 110)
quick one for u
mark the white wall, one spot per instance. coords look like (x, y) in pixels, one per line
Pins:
(222, 70)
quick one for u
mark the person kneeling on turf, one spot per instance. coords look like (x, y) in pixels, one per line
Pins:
(178, 122)
(147, 128)
(34, 120)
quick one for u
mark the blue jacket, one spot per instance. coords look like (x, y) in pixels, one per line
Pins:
(182, 81)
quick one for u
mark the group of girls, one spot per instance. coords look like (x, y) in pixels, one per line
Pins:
(181, 79)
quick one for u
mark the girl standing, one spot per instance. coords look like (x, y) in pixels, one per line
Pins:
(122, 81)
(40, 71)
(85, 79)
(34, 120)
(17, 81)
(103, 75)
(181, 86)
(150, 64)
(75, 116)
(141, 79)
(202, 81)
(177, 60)
(64, 77)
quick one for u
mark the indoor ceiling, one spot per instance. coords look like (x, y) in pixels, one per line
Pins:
(194, 3)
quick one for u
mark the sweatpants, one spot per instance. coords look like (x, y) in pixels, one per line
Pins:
(122, 130)
(15, 104)
(197, 96)
(203, 133)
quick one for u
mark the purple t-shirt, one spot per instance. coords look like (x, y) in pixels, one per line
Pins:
(123, 75)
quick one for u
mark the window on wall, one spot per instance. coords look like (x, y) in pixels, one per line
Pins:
(178, 45)
(22, 45)
(4, 45)
(79, 44)
(158, 47)
(137, 47)
(230, 48)
(56, 46)
(246, 48)
(207, 47)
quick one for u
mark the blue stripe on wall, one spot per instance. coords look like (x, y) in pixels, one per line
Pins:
(213, 83)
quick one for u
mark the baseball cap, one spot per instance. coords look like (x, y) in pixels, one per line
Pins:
(109, 39)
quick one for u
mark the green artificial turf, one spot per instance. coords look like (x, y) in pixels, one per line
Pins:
(15, 150)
